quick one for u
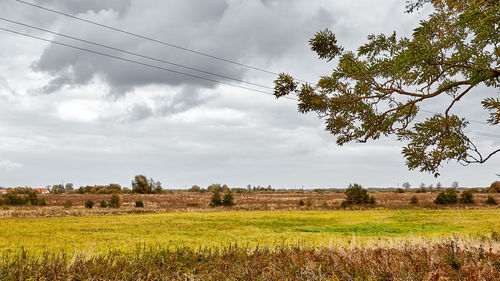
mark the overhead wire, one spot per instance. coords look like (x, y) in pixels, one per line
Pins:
(133, 34)
(134, 54)
(140, 63)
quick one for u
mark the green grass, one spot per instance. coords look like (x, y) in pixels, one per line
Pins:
(94, 234)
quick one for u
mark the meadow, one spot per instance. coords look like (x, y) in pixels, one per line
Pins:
(91, 235)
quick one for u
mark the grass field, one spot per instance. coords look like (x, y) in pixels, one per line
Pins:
(98, 234)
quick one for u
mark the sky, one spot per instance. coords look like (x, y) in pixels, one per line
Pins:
(72, 116)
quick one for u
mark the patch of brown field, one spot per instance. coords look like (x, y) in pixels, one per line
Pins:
(191, 201)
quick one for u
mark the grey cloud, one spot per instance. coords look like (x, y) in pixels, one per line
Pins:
(140, 112)
(78, 6)
(240, 30)
(189, 97)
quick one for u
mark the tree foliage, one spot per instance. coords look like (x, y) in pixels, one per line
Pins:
(216, 199)
(446, 197)
(378, 90)
(357, 195)
(141, 184)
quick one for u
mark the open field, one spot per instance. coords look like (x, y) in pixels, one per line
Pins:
(191, 201)
(98, 234)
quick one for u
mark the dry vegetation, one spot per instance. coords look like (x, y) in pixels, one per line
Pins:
(445, 261)
(193, 201)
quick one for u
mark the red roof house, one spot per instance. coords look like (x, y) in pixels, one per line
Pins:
(41, 190)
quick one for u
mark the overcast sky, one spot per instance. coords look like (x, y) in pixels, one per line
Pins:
(67, 115)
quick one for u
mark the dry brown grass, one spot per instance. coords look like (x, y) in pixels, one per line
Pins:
(445, 261)
(191, 201)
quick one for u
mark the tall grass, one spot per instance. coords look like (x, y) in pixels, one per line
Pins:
(444, 261)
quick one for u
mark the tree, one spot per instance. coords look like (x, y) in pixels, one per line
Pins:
(377, 91)
(228, 199)
(33, 197)
(140, 184)
(356, 194)
(455, 185)
(216, 198)
(495, 187)
(69, 187)
(407, 186)
(58, 189)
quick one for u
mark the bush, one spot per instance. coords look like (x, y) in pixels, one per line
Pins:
(357, 195)
(302, 202)
(446, 197)
(89, 204)
(491, 200)
(12, 199)
(467, 197)
(399, 190)
(414, 200)
(42, 202)
(228, 199)
(115, 201)
(68, 204)
(344, 204)
(309, 202)
(139, 204)
(495, 187)
(103, 204)
(421, 190)
(216, 198)
(33, 198)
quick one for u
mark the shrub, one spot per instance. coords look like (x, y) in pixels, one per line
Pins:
(495, 187)
(302, 202)
(448, 196)
(491, 200)
(68, 204)
(33, 198)
(216, 198)
(228, 199)
(42, 202)
(89, 204)
(103, 204)
(344, 204)
(356, 194)
(139, 204)
(12, 199)
(414, 200)
(422, 189)
(115, 201)
(467, 197)
(399, 190)
(309, 202)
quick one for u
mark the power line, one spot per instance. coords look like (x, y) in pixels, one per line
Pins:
(140, 63)
(151, 39)
(135, 54)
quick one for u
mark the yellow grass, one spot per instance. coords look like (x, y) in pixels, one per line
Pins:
(98, 234)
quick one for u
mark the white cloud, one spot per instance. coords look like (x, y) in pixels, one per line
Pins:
(8, 165)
